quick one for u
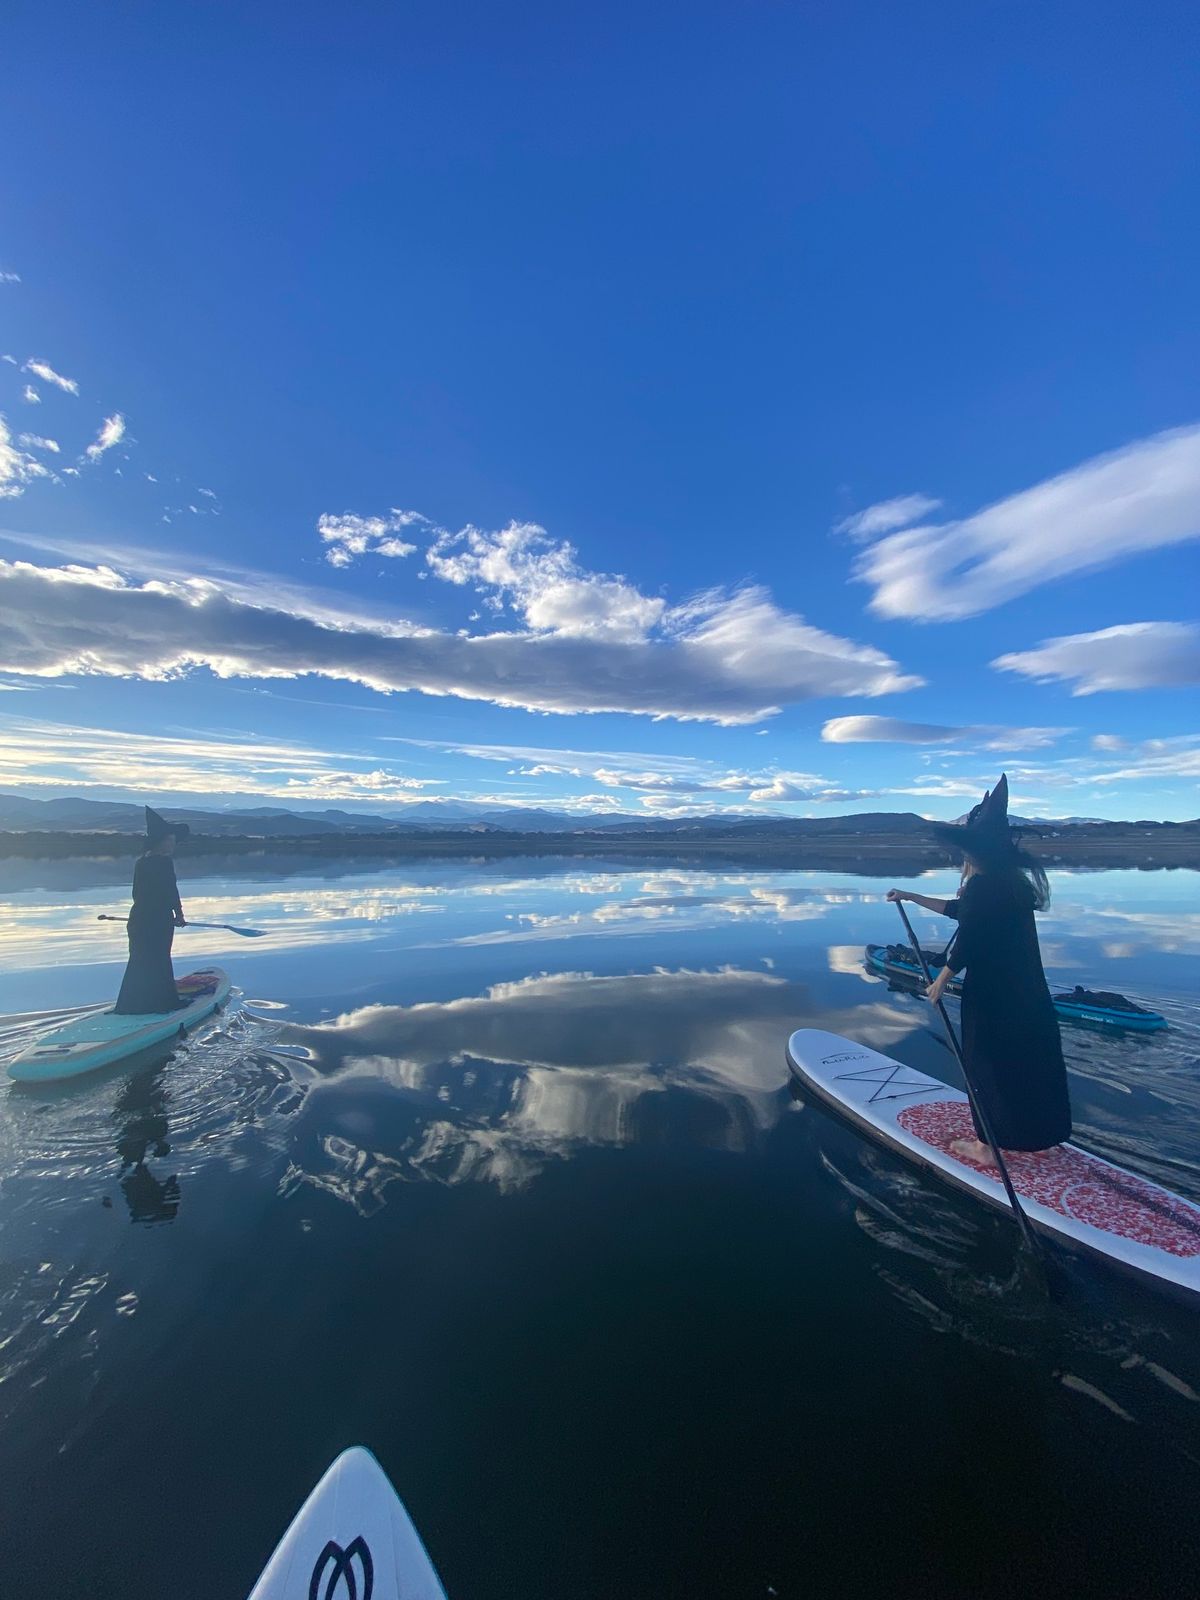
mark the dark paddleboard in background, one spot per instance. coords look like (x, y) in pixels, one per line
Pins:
(1078, 1005)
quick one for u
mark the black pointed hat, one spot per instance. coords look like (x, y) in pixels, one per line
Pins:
(985, 831)
(157, 828)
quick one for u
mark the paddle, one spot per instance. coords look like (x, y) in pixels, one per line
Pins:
(981, 1115)
(225, 927)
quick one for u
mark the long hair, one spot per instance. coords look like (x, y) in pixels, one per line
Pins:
(1003, 858)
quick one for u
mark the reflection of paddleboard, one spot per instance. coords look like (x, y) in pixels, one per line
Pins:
(351, 1537)
(102, 1037)
(1079, 1198)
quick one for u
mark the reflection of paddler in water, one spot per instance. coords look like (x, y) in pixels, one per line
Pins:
(141, 1107)
(1010, 1036)
(149, 982)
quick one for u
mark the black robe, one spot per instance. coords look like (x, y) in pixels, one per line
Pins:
(149, 982)
(1010, 1035)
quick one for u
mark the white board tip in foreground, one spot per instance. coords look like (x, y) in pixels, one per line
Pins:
(352, 1536)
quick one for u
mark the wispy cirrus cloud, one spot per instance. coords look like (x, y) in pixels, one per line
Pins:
(40, 755)
(891, 730)
(659, 781)
(44, 371)
(112, 431)
(34, 441)
(1145, 496)
(30, 395)
(1156, 760)
(887, 515)
(1133, 655)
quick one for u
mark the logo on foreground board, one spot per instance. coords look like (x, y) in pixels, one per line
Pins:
(846, 1055)
(351, 1572)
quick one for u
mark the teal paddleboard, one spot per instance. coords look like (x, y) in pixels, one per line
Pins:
(102, 1038)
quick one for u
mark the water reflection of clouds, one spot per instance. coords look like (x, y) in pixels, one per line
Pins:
(490, 1087)
(1129, 932)
(656, 903)
(34, 935)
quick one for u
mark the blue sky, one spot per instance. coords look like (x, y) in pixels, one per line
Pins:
(773, 407)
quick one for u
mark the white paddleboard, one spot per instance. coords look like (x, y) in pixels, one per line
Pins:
(1064, 1191)
(351, 1540)
(102, 1037)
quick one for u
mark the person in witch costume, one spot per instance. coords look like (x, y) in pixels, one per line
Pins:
(149, 982)
(1010, 1036)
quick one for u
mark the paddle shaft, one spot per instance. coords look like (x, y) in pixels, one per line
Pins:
(981, 1115)
(225, 927)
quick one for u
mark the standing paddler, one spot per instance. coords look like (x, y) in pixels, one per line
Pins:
(1010, 1036)
(149, 982)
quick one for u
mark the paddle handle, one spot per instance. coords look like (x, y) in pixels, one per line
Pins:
(981, 1115)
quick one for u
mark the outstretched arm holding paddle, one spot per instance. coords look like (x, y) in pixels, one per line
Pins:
(938, 906)
(1012, 1053)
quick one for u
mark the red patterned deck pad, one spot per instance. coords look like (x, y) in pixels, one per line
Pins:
(1070, 1182)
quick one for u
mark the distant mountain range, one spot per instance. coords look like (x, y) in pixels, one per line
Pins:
(77, 815)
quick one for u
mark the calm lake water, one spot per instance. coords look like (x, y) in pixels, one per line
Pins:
(495, 1168)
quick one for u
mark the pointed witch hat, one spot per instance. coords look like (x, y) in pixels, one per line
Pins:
(157, 828)
(985, 834)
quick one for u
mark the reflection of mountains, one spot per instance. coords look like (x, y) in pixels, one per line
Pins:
(490, 1087)
(74, 873)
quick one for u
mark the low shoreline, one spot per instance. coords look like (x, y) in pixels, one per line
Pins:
(872, 854)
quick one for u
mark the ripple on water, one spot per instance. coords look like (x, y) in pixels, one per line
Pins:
(117, 1144)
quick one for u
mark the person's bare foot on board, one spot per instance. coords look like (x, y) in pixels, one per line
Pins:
(973, 1150)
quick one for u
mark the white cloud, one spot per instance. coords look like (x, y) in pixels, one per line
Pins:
(349, 535)
(1133, 655)
(112, 431)
(891, 730)
(791, 786)
(44, 371)
(1145, 496)
(17, 467)
(887, 515)
(765, 656)
(30, 395)
(34, 441)
(1109, 742)
(10, 277)
(728, 660)
(521, 566)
